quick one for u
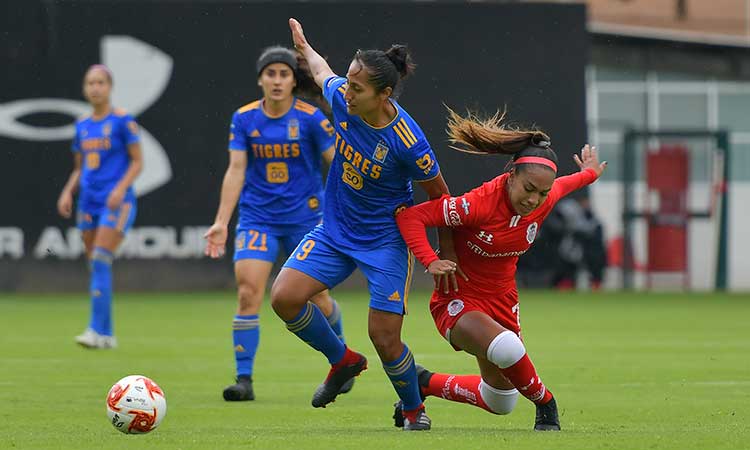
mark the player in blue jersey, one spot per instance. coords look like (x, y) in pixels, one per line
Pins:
(107, 159)
(275, 149)
(379, 150)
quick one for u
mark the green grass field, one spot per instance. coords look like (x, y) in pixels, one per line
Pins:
(628, 371)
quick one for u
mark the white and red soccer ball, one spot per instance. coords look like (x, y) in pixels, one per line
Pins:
(136, 405)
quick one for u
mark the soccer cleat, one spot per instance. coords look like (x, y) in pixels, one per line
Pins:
(423, 377)
(347, 386)
(546, 417)
(420, 423)
(336, 380)
(241, 391)
(91, 339)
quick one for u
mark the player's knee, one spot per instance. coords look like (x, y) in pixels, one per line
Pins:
(285, 299)
(386, 342)
(279, 296)
(249, 296)
(506, 349)
(500, 401)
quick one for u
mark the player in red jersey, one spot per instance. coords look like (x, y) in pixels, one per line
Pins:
(492, 226)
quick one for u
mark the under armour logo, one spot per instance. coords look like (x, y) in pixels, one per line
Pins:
(485, 237)
(141, 73)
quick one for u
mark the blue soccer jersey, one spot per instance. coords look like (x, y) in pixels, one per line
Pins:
(283, 184)
(103, 145)
(371, 173)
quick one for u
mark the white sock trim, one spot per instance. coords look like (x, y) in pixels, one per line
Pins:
(506, 349)
(500, 401)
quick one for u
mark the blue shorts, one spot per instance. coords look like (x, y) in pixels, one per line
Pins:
(259, 241)
(388, 268)
(90, 217)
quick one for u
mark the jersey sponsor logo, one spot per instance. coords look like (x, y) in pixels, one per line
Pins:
(277, 172)
(450, 214)
(292, 130)
(485, 237)
(531, 232)
(278, 151)
(395, 297)
(481, 252)
(454, 307)
(358, 162)
(255, 133)
(352, 177)
(465, 393)
(327, 127)
(239, 242)
(446, 390)
(94, 144)
(381, 151)
(142, 72)
(465, 205)
(425, 163)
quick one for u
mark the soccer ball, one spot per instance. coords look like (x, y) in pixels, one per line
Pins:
(136, 405)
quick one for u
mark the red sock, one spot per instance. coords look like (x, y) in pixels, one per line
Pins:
(412, 413)
(457, 388)
(350, 357)
(524, 377)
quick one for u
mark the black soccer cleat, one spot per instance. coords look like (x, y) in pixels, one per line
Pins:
(423, 377)
(546, 417)
(336, 381)
(241, 391)
(421, 423)
(347, 386)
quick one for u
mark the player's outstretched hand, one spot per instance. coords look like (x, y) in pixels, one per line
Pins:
(216, 240)
(298, 36)
(589, 159)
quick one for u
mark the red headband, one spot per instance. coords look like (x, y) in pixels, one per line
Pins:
(536, 160)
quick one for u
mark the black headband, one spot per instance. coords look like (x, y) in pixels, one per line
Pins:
(276, 55)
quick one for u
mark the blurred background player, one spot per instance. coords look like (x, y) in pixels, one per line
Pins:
(275, 150)
(106, 160)
(493, 225)
(578, 237)
(380, 149)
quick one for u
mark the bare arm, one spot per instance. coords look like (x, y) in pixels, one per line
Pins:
(115, 198)
(65, 201)
(435, 188)
(231, 187)
(328, 155)
(319, 68)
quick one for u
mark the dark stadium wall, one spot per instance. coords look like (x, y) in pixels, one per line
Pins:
(187, 66)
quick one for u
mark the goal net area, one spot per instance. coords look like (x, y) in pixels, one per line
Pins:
(674, 209)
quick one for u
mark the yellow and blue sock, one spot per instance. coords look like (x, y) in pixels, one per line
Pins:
(403, 375)
(336, 322)
(246, 335)
(311, 326)
(101, 291)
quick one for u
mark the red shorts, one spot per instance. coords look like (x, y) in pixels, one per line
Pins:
(446, 309)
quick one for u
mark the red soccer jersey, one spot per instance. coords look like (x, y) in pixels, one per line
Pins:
(488, 234)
